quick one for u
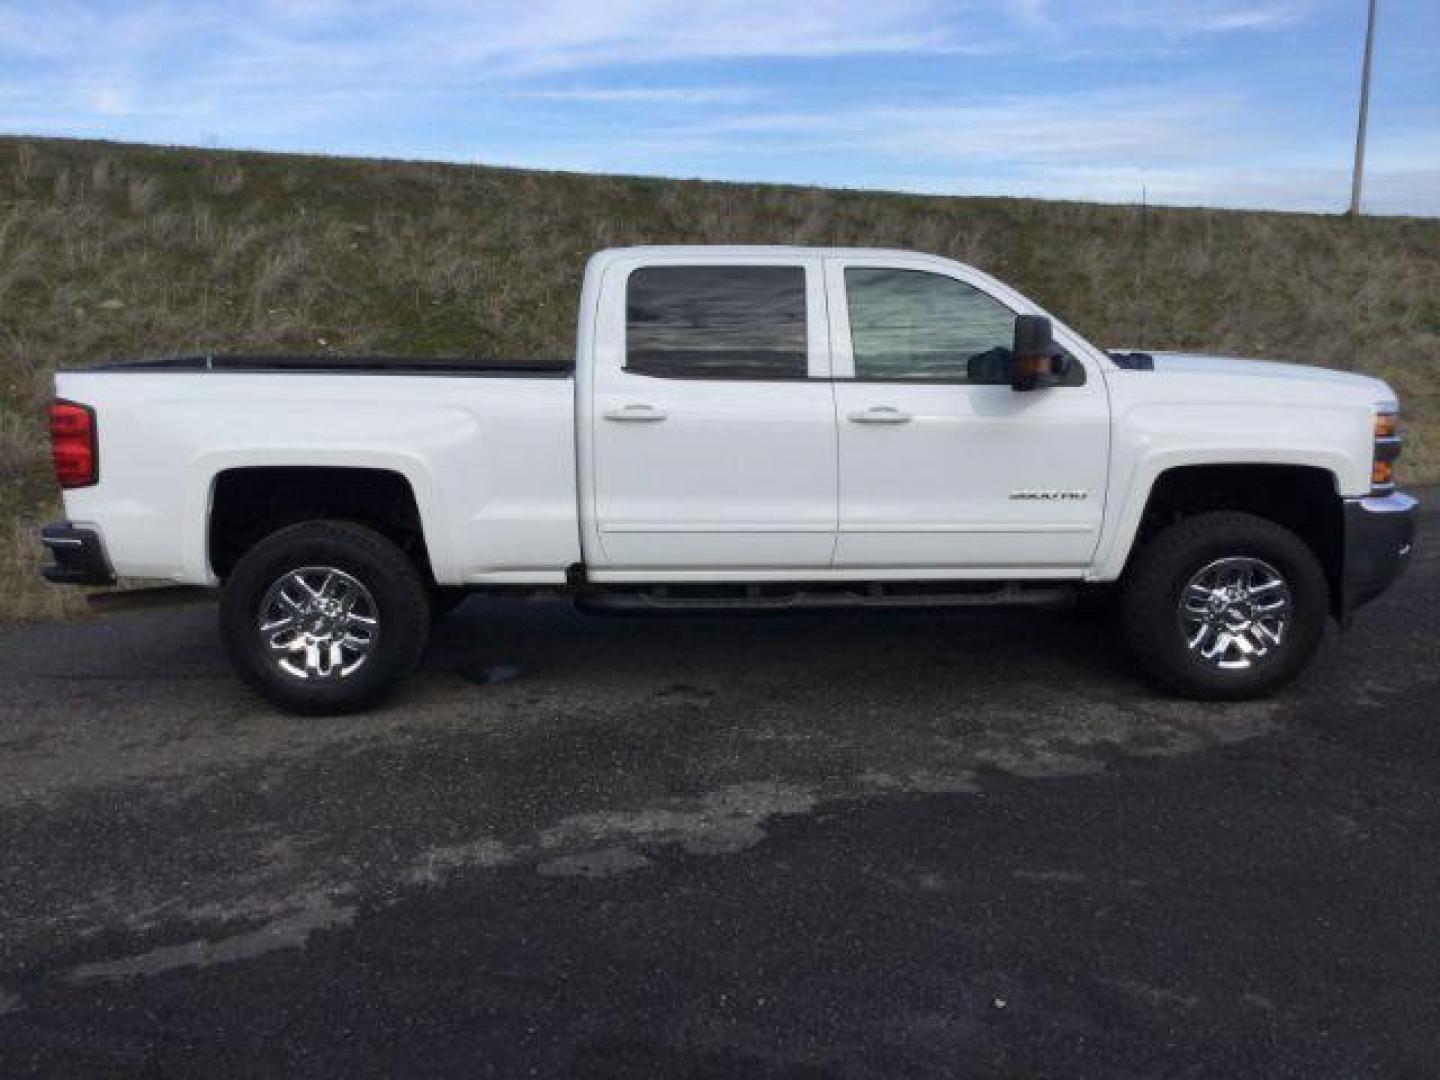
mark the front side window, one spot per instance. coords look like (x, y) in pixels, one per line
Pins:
(911, 324)
(727, 322)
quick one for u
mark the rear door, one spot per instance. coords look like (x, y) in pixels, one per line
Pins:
(713, 420)
(943, 467)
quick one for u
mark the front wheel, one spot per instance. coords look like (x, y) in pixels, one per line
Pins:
(1224, 606)
(324, 617)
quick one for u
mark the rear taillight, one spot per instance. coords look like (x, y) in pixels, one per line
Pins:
(73, 444)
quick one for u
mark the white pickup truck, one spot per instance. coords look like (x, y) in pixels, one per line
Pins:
(743, 428)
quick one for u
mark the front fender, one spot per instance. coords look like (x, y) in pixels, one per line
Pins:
(1129, 498)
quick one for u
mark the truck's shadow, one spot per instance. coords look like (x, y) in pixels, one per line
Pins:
(493, 641)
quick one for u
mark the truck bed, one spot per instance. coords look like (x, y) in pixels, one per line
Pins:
(487, 450)
(341, 364)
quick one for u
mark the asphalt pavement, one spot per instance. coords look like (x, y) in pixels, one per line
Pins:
(828, 845)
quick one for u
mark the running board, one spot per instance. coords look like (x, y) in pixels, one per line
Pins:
(757, 598)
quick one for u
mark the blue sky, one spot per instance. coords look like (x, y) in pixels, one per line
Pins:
(1217, 102)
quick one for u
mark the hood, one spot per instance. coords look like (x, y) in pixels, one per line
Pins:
(1236, 367)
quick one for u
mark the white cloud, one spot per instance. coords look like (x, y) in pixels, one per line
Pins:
(1187, 146)
(1184, 18)
(1325, 190)
(1146, 123)
(732, 89)
(512, 38)
(1035, 14)
(112, 101)
(308, 51)
(308, 47)
(645, 95)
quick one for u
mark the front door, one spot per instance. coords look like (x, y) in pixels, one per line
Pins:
(713, 419)
(942, 466)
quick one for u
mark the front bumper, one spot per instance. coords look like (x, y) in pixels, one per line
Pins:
(1379, 536)
(78, 556)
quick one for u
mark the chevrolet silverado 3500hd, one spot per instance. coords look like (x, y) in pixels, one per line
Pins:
(743, 427)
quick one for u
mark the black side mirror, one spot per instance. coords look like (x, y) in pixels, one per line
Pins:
(989, 368)
(1035, 360)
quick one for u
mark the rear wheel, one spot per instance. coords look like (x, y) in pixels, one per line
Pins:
(325, 617)
(1225, 606)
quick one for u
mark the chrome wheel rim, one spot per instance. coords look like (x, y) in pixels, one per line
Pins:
(318, 623)
(1234, 613)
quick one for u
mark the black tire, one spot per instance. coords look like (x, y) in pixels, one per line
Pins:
(393, 592)
(444, 601)
(1151, 596)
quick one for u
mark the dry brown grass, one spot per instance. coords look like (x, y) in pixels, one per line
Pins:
(26, 595)
(114, 250)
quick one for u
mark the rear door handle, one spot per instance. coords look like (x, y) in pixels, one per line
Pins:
(636, 414)
(881, 414)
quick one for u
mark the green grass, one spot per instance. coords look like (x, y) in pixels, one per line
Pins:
(113, 250)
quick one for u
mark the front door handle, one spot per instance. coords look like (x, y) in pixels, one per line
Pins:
(636, 414)
(881, 414)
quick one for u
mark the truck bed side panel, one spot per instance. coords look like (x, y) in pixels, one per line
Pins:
(491, 461)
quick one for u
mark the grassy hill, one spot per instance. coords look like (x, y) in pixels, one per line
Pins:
(115, 250)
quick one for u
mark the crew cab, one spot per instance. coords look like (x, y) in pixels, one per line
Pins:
(742, 428)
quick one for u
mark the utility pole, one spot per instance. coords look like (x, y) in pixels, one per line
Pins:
(1364, 114)
(1142, 301)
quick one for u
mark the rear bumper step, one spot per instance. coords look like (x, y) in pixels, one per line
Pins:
(79, 557)
(874, 595)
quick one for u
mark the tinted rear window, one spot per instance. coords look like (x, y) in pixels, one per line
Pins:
(717, 322)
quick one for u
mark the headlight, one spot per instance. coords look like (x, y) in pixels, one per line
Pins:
(1387, 449)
